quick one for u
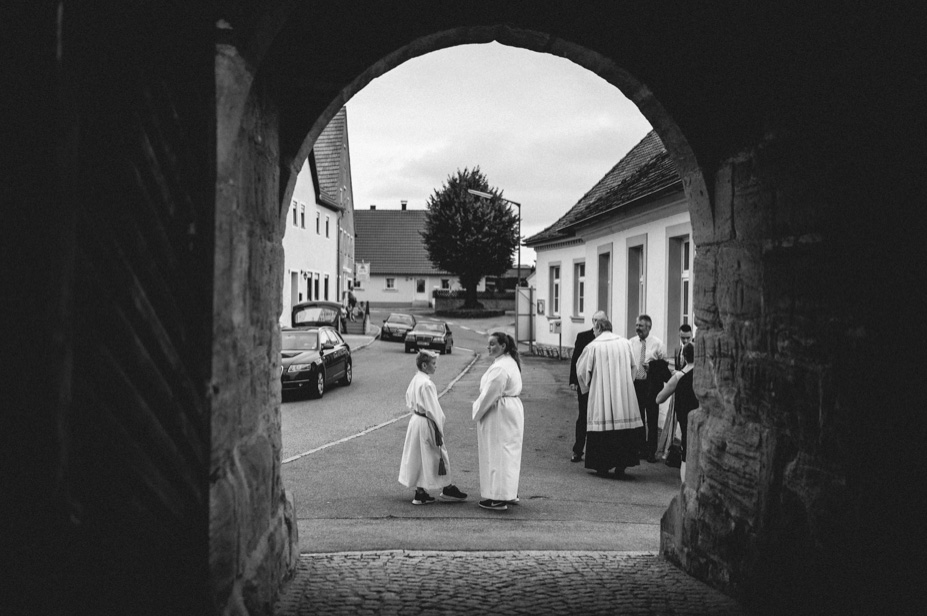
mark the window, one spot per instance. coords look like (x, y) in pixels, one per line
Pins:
(420, 285)
(302, 216)
(579, 288)
(555, 290)
(390, 283)
(637, 277)
(326, 287)
(294, 214)
(604, 278)
(326, 226)
(318, 221)
(445, 283)
(317, 277)
(685, 278)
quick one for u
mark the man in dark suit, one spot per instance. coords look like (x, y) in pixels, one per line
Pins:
(685, 337)
(582, 339)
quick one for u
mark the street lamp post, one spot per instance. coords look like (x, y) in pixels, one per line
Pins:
(486, 195)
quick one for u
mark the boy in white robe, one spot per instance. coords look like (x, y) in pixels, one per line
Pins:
(425, 465)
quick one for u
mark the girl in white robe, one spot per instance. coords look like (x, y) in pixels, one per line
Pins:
(425, 464)
(500, 421)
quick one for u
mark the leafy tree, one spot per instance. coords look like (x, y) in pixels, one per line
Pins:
(467, 235)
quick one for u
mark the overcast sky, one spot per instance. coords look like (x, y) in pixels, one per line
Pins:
(542, 129)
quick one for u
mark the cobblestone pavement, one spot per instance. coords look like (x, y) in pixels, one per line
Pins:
(523, 582)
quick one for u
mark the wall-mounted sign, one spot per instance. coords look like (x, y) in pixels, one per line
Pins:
(362, 271)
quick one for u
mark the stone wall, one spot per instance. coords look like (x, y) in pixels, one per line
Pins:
(763, 511)
(253, 533)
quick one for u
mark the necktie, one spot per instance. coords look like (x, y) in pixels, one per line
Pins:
(641, 373)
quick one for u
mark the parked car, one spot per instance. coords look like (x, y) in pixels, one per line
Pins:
(396, 326)
(430, 335)
(314, 358)
(315, 313)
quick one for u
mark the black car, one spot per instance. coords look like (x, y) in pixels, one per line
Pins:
(314, 358)
(430, 335)
(396, 326)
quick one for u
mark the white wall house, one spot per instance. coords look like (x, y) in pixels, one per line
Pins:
(318, 243)
(624, 248)
(401, 273)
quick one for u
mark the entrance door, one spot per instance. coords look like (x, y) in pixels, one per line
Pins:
(421, 291)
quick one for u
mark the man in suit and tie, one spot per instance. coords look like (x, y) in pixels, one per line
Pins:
(582, 339)
(685, 337)
(647, 349)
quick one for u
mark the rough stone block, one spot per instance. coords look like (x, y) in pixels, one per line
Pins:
(739, 281)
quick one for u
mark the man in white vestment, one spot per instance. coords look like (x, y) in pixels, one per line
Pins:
(613, 421)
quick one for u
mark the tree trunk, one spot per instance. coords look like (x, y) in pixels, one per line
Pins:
(470, 287)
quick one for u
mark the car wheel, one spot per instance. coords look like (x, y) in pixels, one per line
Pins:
(348, 375)
(408, 350)
(319, 389)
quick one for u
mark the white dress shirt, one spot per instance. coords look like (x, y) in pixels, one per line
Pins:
(655, 349)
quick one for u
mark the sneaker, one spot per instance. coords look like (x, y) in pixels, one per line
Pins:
(423, 498)
(451, 493)
(576, 457)
(494, 505)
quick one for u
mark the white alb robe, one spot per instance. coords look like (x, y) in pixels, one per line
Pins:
(500, 427)
(605, 369)
(420, 454)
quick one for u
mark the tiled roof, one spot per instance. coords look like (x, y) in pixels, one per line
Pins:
(643, 170)
(389, 240)
(328, 156)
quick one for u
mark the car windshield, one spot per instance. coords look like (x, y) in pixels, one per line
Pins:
(430, 327)
(403, 319)
(314, 314)
(299, 341)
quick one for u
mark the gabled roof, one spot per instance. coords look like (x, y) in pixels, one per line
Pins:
(328, 158)
(644, 170)
(389, 240)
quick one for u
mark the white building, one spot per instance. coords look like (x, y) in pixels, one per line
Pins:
(388, 241)
(318, 244)
(624, 248)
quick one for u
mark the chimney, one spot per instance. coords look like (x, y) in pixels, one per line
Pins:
(373, 207)
(404, 203)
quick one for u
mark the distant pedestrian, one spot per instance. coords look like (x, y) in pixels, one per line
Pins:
(646, 349)
(605, 371)
(352, 304)
(500, 424)
(425, 465)
(582, 339)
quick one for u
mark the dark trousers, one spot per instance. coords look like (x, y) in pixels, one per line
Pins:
(684, 428)
(650, 413)
(580, 443)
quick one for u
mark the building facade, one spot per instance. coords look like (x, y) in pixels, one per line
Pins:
(390, 247)
(625, 248)
(318, 243)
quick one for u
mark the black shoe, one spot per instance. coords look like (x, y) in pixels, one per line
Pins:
(494, 505)
(652, 458)
(577, 457)
(422, 498)
(451, 493)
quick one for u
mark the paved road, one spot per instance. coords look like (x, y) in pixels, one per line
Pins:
(575, 544)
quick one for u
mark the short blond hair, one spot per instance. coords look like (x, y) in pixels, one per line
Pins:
(424, 356)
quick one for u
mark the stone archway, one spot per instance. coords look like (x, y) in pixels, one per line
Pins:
(722, 526)
(152, 145)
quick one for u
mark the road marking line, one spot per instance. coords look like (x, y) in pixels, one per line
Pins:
(385, 423)
(465, 327)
